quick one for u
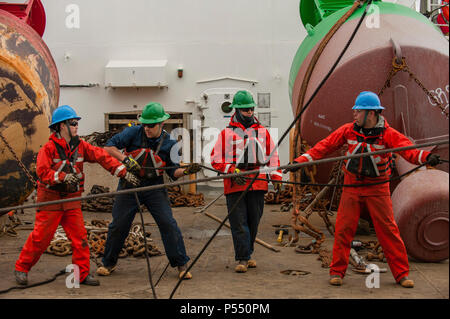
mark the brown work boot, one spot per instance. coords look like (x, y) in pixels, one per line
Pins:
(335, 280)
(241, 267)
(181, 271)
(105, 271)
(251, 263)
(405, 282)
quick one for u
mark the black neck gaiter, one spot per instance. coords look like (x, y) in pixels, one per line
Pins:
(246, 121)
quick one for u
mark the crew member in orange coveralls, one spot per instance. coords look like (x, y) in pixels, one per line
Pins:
(245, 145)
(368, 133)
(60, 172)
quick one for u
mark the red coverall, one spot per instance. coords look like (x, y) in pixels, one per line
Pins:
(230, 147)
(247, 149)
(49, 171)
(375, 198)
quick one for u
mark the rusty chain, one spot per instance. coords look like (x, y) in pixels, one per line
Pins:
(19, 162)
(97, 233)
(308, 194)
(279, 197)
(9, 227)
(397, 67)
(177, 198)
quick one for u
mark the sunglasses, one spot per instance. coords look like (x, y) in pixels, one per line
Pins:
(151, 125)
(74, 123)
(248, 109)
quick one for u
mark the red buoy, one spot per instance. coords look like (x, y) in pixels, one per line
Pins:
(31, 13)
(420, 204)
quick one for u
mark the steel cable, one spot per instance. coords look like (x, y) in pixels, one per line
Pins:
(149, 271)
(61, 272)
(345, 185)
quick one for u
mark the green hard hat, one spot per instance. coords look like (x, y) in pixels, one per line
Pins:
(153, 113)
(243, 99)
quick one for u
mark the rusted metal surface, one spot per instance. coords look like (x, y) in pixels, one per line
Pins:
(29, 92)
(420, 204)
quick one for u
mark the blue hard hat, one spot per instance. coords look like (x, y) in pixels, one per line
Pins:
(63, 113)
(367, 101)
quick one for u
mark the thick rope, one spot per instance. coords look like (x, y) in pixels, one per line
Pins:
(300, 108)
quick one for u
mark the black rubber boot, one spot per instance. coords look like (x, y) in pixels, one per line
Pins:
(90, 281)
(21, 277)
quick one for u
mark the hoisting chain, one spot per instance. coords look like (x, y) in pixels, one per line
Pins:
(19, 162)
(403, 66)
(300, 222)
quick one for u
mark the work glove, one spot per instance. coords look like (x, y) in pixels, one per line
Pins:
(433, 159)
(240, 180)
(71, 179)
(192, 169)
(291, 169)
(131, 179)
(300, 159)
(131, 164)
(276, 185)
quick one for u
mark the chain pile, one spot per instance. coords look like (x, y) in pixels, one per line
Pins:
(9, 227)
(101, 204)
(178, 198)
(100, 139)
(60, 244)
(97, 232)
(375, 251)
(283, 197)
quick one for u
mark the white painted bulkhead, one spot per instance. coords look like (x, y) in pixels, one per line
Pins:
(239, 44)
